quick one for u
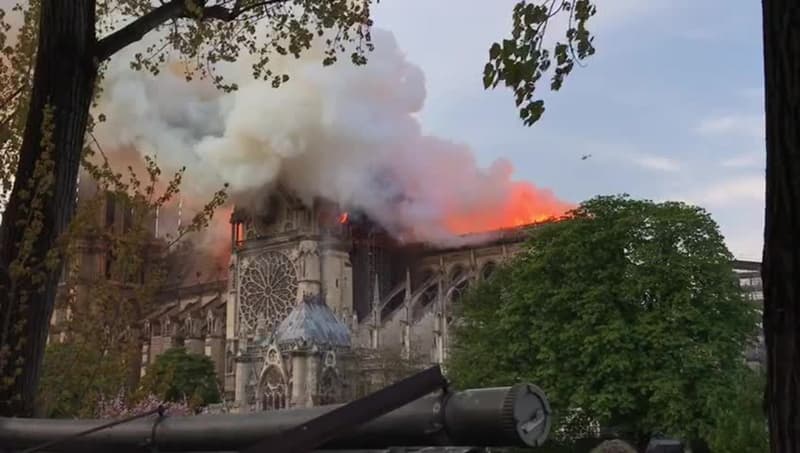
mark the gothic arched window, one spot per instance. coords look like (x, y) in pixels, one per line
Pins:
(430, 293)
(487, 270)
(459, 282)
(274, 391)
(428, 296)
(268, 288)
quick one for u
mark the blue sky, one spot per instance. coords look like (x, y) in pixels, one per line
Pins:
(670, 107)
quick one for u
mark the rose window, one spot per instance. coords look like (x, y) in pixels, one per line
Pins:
(268, 288)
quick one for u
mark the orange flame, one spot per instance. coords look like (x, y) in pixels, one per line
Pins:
(525, 205)
(343, 218)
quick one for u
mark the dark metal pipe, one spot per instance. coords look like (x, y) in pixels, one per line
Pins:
(505, 416)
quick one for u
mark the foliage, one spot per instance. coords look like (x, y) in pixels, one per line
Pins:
(17, 44)
(27, 274)
(177, 375)
(628, 312)
(74, 376)
(101, 332)
(741, 422)
(522, 59)
(120, 406)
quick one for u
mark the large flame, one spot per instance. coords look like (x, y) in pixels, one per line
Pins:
(310, 137)
(524, 205)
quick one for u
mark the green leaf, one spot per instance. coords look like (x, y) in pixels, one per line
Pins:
(494, 51)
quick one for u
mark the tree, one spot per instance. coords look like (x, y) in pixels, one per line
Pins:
(54, 70)
(177, 375)
(104, 309)
(741, 423)
(627, 314)
(781, 261)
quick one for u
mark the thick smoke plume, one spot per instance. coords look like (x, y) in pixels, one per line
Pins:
(344, 132)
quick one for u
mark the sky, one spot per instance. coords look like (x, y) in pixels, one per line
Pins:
(670, 107)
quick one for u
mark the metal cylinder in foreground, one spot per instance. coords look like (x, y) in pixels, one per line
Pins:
(504, 416)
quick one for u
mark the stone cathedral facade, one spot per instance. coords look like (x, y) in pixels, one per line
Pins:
(314, 307)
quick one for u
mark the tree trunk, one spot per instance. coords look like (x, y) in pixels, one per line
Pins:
(64, 80)
(781, 262)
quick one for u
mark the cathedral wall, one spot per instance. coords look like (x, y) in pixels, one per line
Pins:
(158, 345)
(391, 336)
(361, 336)
(231, 304)
(337, 277)
(214, 348)
(422, 336)
(195, 346)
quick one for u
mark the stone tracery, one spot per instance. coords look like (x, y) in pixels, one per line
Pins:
(328, 386)
(274, 394)
(268, 288)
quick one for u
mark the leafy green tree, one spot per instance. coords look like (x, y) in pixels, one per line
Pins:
(96, 353)
(177, 375)
(75, 375)
(741, 423)
(627, 314)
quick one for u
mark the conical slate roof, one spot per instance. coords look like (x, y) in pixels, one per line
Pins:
(312, 322)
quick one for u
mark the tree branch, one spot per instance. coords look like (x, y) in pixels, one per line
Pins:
(173, 9)
(11, 97)
(137, 29)
(219, 12)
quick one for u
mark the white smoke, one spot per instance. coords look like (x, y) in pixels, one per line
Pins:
(348, 133)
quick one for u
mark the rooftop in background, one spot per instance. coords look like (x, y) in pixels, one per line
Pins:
(747, 265)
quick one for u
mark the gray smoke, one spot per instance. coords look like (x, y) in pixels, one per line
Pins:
(344, 132)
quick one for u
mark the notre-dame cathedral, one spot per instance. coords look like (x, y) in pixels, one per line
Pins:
(317, 305)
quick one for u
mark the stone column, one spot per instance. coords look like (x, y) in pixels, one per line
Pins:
(375, 324)
(215, 350)
(243, 365)
(231, 302)
(312, 378)
(406, 321)
(145, 357)
(300, 370)
(309, 266)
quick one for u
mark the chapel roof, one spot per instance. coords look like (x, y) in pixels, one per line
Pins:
(312, 322)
